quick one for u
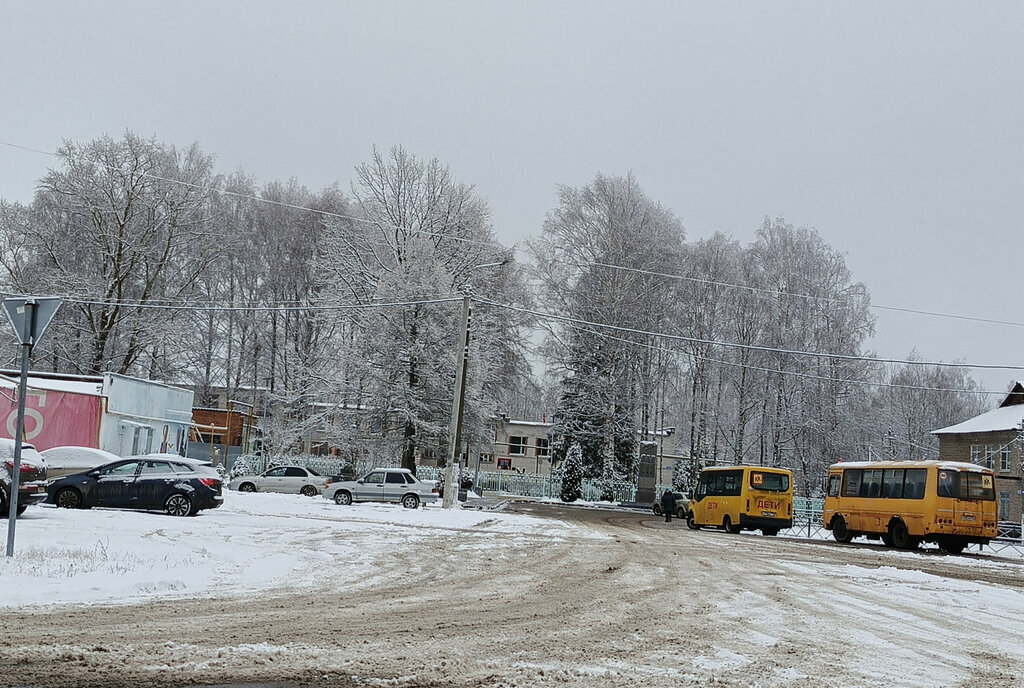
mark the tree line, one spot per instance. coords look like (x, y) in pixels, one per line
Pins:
(341, 310)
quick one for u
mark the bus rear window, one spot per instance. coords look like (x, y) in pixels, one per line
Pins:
(772, 482)
(966, 485)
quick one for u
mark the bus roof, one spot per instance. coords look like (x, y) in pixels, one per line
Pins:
(767, 469)
(949, 465)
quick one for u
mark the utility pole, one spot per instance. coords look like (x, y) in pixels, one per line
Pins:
(452, 480)
(452, 483)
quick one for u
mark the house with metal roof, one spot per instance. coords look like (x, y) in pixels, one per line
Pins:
(994, 439)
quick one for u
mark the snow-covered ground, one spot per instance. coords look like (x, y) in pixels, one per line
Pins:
(253, 542)
(281, 588)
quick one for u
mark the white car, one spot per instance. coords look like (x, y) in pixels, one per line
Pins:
(288, 479)
(61, 461)
(384, 485)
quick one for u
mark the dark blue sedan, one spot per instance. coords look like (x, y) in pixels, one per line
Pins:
(181, 487)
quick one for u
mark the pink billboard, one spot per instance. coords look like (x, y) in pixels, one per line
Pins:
(53, 418)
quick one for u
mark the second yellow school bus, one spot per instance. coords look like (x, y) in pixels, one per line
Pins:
(904, 503)
(743, 498)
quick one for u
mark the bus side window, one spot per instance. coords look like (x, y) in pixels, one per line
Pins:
(871, 483)
(892, 483)
(851, 482)
(914, 484)
(949, 484)
(833, 484)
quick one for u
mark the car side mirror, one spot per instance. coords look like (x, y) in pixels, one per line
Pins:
(360, 481)
(93, 474)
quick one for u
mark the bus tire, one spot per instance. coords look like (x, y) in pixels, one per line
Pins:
(769, 532)
(900, 536)
(839, 529)
(729, 527)
(691, 522)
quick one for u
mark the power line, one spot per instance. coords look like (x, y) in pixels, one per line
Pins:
(793, 373)
(354, 218)
(291, 206)
(827, 299)
(266, 308)
(695, 340)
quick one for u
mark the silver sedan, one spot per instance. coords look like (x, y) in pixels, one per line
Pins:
(288, 479)
(384, 485)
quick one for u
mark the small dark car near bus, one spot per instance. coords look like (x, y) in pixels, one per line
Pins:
(179, 486)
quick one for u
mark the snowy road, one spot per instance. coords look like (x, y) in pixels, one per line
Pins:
(301, 592)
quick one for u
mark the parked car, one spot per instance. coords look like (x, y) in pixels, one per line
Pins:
(176, 485)
(384, 485)
(288, 479)
(31, 476)
(682, 505)
(61, 461)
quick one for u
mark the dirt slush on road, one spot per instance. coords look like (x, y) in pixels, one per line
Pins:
(645, 603)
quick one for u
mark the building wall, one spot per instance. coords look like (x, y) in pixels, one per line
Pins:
(143, 416)
(520, 447)
(958, 447)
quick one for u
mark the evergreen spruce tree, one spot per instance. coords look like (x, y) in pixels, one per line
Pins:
(572, 474)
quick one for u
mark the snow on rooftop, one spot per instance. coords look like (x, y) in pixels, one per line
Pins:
(90, 387)
(1001, 419)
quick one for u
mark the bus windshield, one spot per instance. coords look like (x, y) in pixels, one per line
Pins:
(772, 482)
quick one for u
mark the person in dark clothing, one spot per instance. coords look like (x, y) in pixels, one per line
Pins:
(668, 505)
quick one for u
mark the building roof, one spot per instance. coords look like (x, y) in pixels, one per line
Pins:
(74, 384)
(1000, 419)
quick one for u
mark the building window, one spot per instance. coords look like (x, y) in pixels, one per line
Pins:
(1004, 506)
(517, 445)
(543, 447)
(976, 452)
(504, 464)
(486, 458)
(990, 456)
(1004, 458)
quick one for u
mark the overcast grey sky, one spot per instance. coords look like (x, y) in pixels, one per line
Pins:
(894, 129)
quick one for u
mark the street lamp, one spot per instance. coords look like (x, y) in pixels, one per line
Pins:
(452, 485)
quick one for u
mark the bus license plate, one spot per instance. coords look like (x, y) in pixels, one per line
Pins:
(769, 514)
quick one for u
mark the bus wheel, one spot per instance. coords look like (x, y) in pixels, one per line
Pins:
(953, 545)
(887, 539)
(691, 522)
(900, 536)
(728, 526)
(769, 532)
(839, 530)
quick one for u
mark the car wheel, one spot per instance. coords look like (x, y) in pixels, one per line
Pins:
(410, 501)
(68, 498)
(839, 530)
(247, 487)
(178, 505)
(657, 509)
(343, 498)
(728, 526)
(681, 512)
(308, 490)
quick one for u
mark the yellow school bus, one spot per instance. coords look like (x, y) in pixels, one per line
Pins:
(904, 503)
(739, 498)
